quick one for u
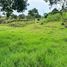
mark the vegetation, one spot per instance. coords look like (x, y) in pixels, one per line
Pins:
(32, 40)
(33, 46)
(33, 13)
(9, 5)
(62, 3)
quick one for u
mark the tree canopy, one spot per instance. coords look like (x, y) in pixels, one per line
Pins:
(34, 13)
(9, 5)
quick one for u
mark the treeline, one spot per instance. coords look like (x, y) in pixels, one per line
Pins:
(33, 14)
(8, 6)
(55, 15)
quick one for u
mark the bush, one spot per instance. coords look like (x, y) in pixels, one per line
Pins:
(2, 21)
(64, 15)
(55, 17)
(21, 16)
(13, 16)
(17, 24)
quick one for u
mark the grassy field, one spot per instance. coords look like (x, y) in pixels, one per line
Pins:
(33, 45)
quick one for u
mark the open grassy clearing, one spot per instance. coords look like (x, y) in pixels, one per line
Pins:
(33, 46)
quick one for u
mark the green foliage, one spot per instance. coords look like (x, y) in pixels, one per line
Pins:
(65, 15)
(33, 46)
(13, 16)
(55, 17)
(19, 5)
(9, 5)
(34, 13)
(21, 16)
(17, 23)
(54, 11)
(45, 15)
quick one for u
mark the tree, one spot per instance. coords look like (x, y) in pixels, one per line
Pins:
(21, 16)
(34, 13)
(54, 11)
(62, 3)
(9, 5)
(13, 16)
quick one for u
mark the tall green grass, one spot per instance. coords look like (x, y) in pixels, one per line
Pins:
(33, 46)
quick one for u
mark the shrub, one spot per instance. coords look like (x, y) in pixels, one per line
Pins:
(2, 21)
(55, 17)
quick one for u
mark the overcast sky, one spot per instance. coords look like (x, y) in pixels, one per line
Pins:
(40, 5)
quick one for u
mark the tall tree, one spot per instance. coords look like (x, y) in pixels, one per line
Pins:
(34, 13)
(9, 5)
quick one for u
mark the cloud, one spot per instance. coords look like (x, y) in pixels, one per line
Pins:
(39, 4)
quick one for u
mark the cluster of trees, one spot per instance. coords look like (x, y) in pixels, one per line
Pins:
(54, 11)
(21, 16)
(63, 5)
(8, 6)
(32, 14)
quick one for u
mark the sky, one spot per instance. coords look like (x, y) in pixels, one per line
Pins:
(41, 5)
(38, 4)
